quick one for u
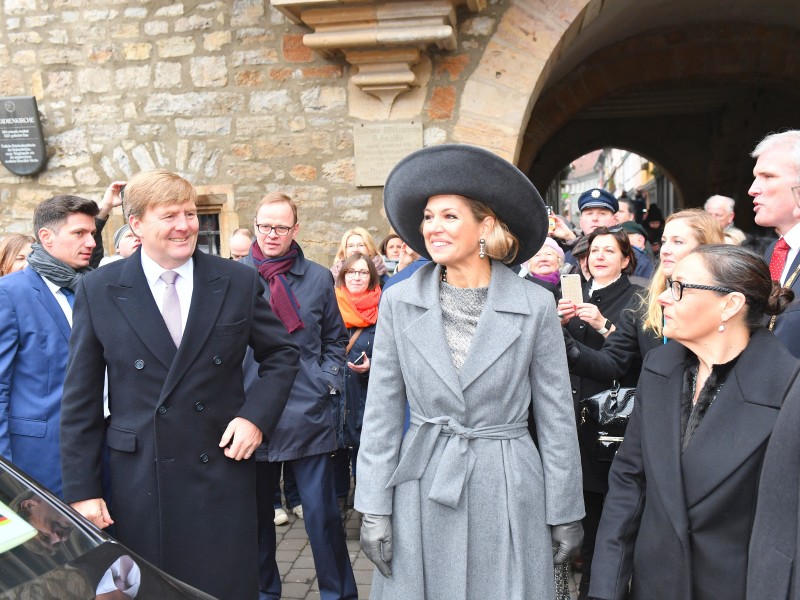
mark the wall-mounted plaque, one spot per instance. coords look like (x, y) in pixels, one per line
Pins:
(379, 147)
(22, 148)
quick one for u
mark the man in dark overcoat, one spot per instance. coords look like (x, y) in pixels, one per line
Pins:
(171, 325)
(301, 294)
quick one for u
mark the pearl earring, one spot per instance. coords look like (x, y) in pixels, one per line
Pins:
(482, 250)
(721, 328)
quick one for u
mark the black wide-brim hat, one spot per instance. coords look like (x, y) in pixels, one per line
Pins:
(465, 171)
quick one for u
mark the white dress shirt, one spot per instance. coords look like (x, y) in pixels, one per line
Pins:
(184, 284)
(60, 298)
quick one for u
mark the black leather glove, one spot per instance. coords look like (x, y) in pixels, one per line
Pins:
(573, 349)
(376, 541)
(567, 540)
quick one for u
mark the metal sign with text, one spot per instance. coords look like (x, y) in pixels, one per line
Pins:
(22, 149)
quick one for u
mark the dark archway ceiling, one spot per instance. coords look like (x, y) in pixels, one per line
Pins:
(673, 82)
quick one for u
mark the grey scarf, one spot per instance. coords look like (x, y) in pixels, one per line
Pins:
(57, 271)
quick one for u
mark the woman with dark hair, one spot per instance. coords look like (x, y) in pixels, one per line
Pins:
(682, 488)
(391, 250)
(358, 294)
(465, 505)
(611, 259)
(14, 250)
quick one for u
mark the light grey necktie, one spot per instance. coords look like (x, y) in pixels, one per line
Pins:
(171, 308)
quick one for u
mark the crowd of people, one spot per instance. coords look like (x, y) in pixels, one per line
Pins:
(440, 370)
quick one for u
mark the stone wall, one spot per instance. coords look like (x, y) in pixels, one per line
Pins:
(224, 93)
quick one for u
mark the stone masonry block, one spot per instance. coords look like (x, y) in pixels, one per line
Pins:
(137, 51)
(442, 103)
(294, 50)
(206, 126)
(208, 71)
(95, 80)
(168, 75)
(176, 46)
(133, 77)
(214, 41)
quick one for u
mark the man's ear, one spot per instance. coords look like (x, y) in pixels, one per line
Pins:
(135, 224)
(46, 237)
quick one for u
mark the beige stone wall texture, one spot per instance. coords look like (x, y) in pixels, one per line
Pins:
(223, 92)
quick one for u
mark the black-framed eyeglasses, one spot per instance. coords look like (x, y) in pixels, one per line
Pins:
(354, 273)
(280, 230)
(677, 287)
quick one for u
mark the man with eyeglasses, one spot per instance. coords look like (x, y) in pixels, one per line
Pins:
(301, 294)
(776, 174)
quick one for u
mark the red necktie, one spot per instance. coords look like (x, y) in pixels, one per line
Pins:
(778, 260)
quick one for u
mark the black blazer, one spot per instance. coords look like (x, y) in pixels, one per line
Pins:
(772, 567)
(787, 325)
(177, 500)
(680, 522)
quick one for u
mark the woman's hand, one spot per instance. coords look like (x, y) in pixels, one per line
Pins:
(590, 314)
(361, 367)
(566, 310)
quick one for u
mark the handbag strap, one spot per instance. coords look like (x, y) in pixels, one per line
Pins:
(353, 339)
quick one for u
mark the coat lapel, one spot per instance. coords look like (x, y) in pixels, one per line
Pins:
(427, 331)
(498, 328)
(138, 307)
(661, 432)
(208, 295)
(738, 422)
(48, 302)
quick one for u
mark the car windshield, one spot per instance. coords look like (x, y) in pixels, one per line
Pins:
(37, 537)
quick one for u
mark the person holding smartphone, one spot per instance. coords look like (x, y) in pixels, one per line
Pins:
(358, 293)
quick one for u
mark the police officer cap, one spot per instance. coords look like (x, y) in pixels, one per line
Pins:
(598, 198)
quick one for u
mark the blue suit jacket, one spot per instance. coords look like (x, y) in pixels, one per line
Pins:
(787, 325)
(34, 343)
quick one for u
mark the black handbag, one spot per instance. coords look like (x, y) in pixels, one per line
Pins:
(604, 418)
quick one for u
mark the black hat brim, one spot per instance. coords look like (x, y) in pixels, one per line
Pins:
(465, 171)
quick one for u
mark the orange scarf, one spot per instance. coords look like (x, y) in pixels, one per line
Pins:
(358, 312)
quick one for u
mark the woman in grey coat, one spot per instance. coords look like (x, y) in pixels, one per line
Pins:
(465, 505)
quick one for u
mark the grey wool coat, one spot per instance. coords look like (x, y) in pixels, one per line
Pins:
(471, 497)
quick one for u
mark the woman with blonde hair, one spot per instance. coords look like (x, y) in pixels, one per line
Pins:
(640, 326)
(14, 250)
(355, 240)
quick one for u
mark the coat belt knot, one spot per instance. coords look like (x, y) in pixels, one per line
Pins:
(457, 459)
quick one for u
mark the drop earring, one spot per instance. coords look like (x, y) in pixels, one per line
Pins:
(721, 328)
(482, 251)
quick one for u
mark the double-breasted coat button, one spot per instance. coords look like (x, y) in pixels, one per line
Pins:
(139, 364)
(198, 406)
(204, 458)
(162, 410)
(217, 360)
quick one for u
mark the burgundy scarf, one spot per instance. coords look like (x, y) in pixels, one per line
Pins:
(281, 298)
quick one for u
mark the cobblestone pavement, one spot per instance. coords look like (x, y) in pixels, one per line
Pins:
(296, 564)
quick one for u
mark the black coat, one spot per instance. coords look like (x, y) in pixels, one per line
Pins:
(787, 325)
(177, 500)
(350, 404)
(611, 301)
(628, 344)
(772, 566)
(680, 522)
